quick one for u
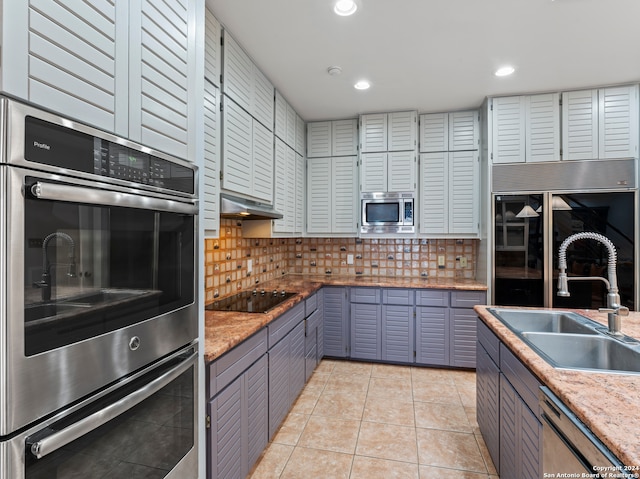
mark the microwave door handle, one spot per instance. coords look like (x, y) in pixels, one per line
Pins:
(63, 437)
(92, 196)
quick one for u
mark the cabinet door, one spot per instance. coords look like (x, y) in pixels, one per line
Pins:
(300, 135)
(543, 127)
(432, 335)
(463, 192)
(366, 331)
(434, 132)
(397, 333)
(279, 398)
(319, 139)
(402, 131)
(280, 117)
(160, 79)
(291, 126)
(373, 172)
(225, 411)
(237, 137)
(290, 190)
(296, 362)
(344, 191)
(281, 186)
(256, 400)
(299, 195)
(262, 103)
(210, 195)
(463, 130)
(335, 322)
(401, 171)
(618, 120)
(580, 125)
(434, 198)
(83, 74)
(319, 201)
(488, 402)
(463, 337)
(262, 163)
(344, 137)
(238, 73)
(508, 123)
(508, 430)
(212, 48)
(373, 133)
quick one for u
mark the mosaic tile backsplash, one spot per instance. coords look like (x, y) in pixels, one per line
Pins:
(234, 263)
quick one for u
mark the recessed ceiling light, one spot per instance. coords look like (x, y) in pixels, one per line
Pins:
(362, 85)
(345, 8)
(504, 71)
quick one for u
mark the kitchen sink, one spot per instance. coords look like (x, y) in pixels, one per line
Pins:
(571, 341)
(579, 351)
(545, 321)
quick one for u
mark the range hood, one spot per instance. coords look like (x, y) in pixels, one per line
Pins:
(240, 208)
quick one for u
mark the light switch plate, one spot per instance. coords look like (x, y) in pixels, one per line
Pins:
(463, 261)
(441, 261)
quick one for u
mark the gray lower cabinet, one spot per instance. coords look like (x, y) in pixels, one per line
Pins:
(432, 335)
(507, 409)
(237, 409)
(336, 322)
(366, 327)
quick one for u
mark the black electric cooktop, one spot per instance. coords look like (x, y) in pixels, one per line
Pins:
(251, 301)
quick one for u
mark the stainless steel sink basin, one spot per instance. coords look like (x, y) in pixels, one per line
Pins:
(546, 321)
(579, 351)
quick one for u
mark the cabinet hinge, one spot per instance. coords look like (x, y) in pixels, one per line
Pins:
(208, 422)
(222, 40)
(491, 106)
(221, 106)
(414, 354)
(492, 156)
(221, 175)
(221, 78)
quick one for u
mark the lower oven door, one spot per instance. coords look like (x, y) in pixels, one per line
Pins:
(144, 428)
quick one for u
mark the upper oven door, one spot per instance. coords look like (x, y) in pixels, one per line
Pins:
(100, 282)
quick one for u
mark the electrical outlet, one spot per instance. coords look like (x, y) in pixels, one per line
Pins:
(441, 261)
(249, 265)
(349, 259)
(463, 261)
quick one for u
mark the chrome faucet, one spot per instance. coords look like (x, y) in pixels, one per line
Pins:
(45, 283)
(614, 309)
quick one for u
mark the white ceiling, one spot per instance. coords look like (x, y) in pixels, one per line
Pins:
(432, 55)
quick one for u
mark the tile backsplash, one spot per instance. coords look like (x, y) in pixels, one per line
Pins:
(234, 263)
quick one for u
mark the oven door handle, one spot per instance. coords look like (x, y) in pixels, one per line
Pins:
(94, 196)
(63, 437)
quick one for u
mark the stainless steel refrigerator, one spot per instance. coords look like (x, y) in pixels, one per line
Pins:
(528, 229)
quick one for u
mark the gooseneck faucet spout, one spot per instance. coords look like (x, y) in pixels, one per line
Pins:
(45, 283)
(614, 308)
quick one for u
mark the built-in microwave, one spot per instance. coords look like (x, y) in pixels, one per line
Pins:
(387, 213)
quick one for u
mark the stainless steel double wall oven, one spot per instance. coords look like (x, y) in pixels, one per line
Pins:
(98, 310)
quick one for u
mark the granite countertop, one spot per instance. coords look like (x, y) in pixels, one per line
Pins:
(224, 330)
(608, 404)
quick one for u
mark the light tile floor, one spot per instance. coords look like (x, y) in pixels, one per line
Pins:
(358, 420)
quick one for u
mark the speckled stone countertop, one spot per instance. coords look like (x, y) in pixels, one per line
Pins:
(225, 330)
(609, 404)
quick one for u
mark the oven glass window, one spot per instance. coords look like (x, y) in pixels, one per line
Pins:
(383, 212)
(94, 269)
(147, 441)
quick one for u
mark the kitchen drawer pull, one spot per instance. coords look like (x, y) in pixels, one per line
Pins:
(78, 429)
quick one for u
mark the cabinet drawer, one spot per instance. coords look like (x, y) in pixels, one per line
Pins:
(489, 341)
(232, 364)
(312, 323)
(432, 297)
(520, 378)
(467, 299)
(365, 295)
(397, 296)
(310, 305)
(279, 328)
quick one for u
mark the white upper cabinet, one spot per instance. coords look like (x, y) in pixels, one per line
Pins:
(600, 123)
(300, 182)
(455, 131)
(331, 196)
(332, 138)
(394, 131)
(388, 172)
(526, 128)
(125, 67)
(246, 84)
(212, 50)
(508, 122)
(449, 193)
(211, 170)
(289, 127)
(300, 136)
(280, 120)
(542, 120)
(373, 172)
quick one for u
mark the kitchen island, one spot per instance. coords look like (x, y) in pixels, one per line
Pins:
(606, 403)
